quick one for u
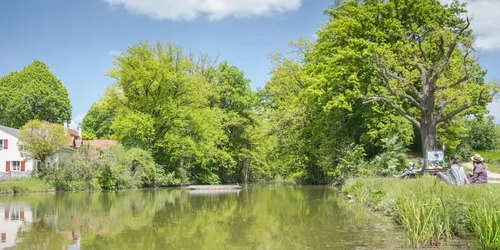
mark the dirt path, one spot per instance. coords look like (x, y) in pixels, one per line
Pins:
(490, 174)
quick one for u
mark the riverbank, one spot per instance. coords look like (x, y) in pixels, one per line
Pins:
(31, 185)
(431, 212)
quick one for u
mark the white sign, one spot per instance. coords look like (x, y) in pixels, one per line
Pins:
(435, 156)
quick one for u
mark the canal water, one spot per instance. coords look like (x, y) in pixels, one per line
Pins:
(256, 217)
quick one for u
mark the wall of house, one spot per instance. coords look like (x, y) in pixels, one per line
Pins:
(12, 154)
(13, 217)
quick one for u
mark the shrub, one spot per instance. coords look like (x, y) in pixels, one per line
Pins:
(114, 168)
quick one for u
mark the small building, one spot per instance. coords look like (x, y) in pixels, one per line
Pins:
(10, 157)
(14, 164)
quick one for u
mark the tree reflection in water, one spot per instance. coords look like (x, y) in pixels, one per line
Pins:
(270, 217)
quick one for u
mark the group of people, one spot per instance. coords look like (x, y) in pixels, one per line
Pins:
(456, 174)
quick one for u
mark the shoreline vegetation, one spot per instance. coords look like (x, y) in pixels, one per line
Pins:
(431, 212)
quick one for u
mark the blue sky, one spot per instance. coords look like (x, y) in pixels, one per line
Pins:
(77, 39)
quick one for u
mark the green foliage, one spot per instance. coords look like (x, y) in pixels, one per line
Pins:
(483, 134)
(392, 159)
(430, 211)
(33, 93)
(196, 117)
(97, 122)
(351, 165)
(115, 168)
(39, 141)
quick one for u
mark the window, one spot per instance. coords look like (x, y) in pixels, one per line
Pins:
(16, 165)
(4, 237)
(14, 215)
(4, 144)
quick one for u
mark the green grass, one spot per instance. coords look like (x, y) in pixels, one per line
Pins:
(431, 212)
(24, 185)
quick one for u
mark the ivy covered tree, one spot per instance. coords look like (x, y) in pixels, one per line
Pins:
(33, 93)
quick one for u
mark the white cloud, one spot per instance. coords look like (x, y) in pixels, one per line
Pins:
(215, 9)
(76, 120)
(485, 22)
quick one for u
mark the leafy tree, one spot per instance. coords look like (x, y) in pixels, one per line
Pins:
(98, 120)
(482, 134)
(416, 57)
(33, 93)
(194, 116)
(39, 141)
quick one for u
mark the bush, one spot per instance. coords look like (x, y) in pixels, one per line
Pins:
(115, 168)
(393, 159)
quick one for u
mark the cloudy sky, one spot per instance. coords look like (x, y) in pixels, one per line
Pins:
(78, 39)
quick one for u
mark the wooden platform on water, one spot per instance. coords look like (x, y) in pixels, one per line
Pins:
(213, 187)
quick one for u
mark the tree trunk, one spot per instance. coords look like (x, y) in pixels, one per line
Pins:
(427, 119)
(428, 132)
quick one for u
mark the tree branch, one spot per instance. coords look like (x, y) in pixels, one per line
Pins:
(451, 49)
(404, 94)
(441, 106)
(394, 106)
(462, 108)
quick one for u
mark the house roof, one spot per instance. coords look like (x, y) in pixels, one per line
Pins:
(103, 144)
(11, 131)
(71, 131)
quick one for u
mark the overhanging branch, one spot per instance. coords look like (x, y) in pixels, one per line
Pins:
(394, 106)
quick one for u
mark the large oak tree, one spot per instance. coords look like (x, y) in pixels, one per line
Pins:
(417, 57)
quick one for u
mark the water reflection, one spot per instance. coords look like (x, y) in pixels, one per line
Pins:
(252, 218)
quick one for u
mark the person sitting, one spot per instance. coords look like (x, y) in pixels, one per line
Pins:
(479, 174)
(456, 175)
(408, 171)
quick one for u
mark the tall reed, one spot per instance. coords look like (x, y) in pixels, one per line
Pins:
(431, 212)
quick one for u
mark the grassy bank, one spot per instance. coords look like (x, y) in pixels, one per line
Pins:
(431, 212)
(24, 186)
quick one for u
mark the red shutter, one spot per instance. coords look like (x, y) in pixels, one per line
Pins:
(7, 166)
(5, 144)
(6, 214)
(23, 166)
(22, 215)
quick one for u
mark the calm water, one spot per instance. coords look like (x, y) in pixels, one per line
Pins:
(257, 217)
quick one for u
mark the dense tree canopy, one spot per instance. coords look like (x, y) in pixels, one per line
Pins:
(382, 77)
(33, 93)
(194, 115)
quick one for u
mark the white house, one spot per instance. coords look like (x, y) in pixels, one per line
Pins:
(10, 157)
(13, 163)
(15, 217)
